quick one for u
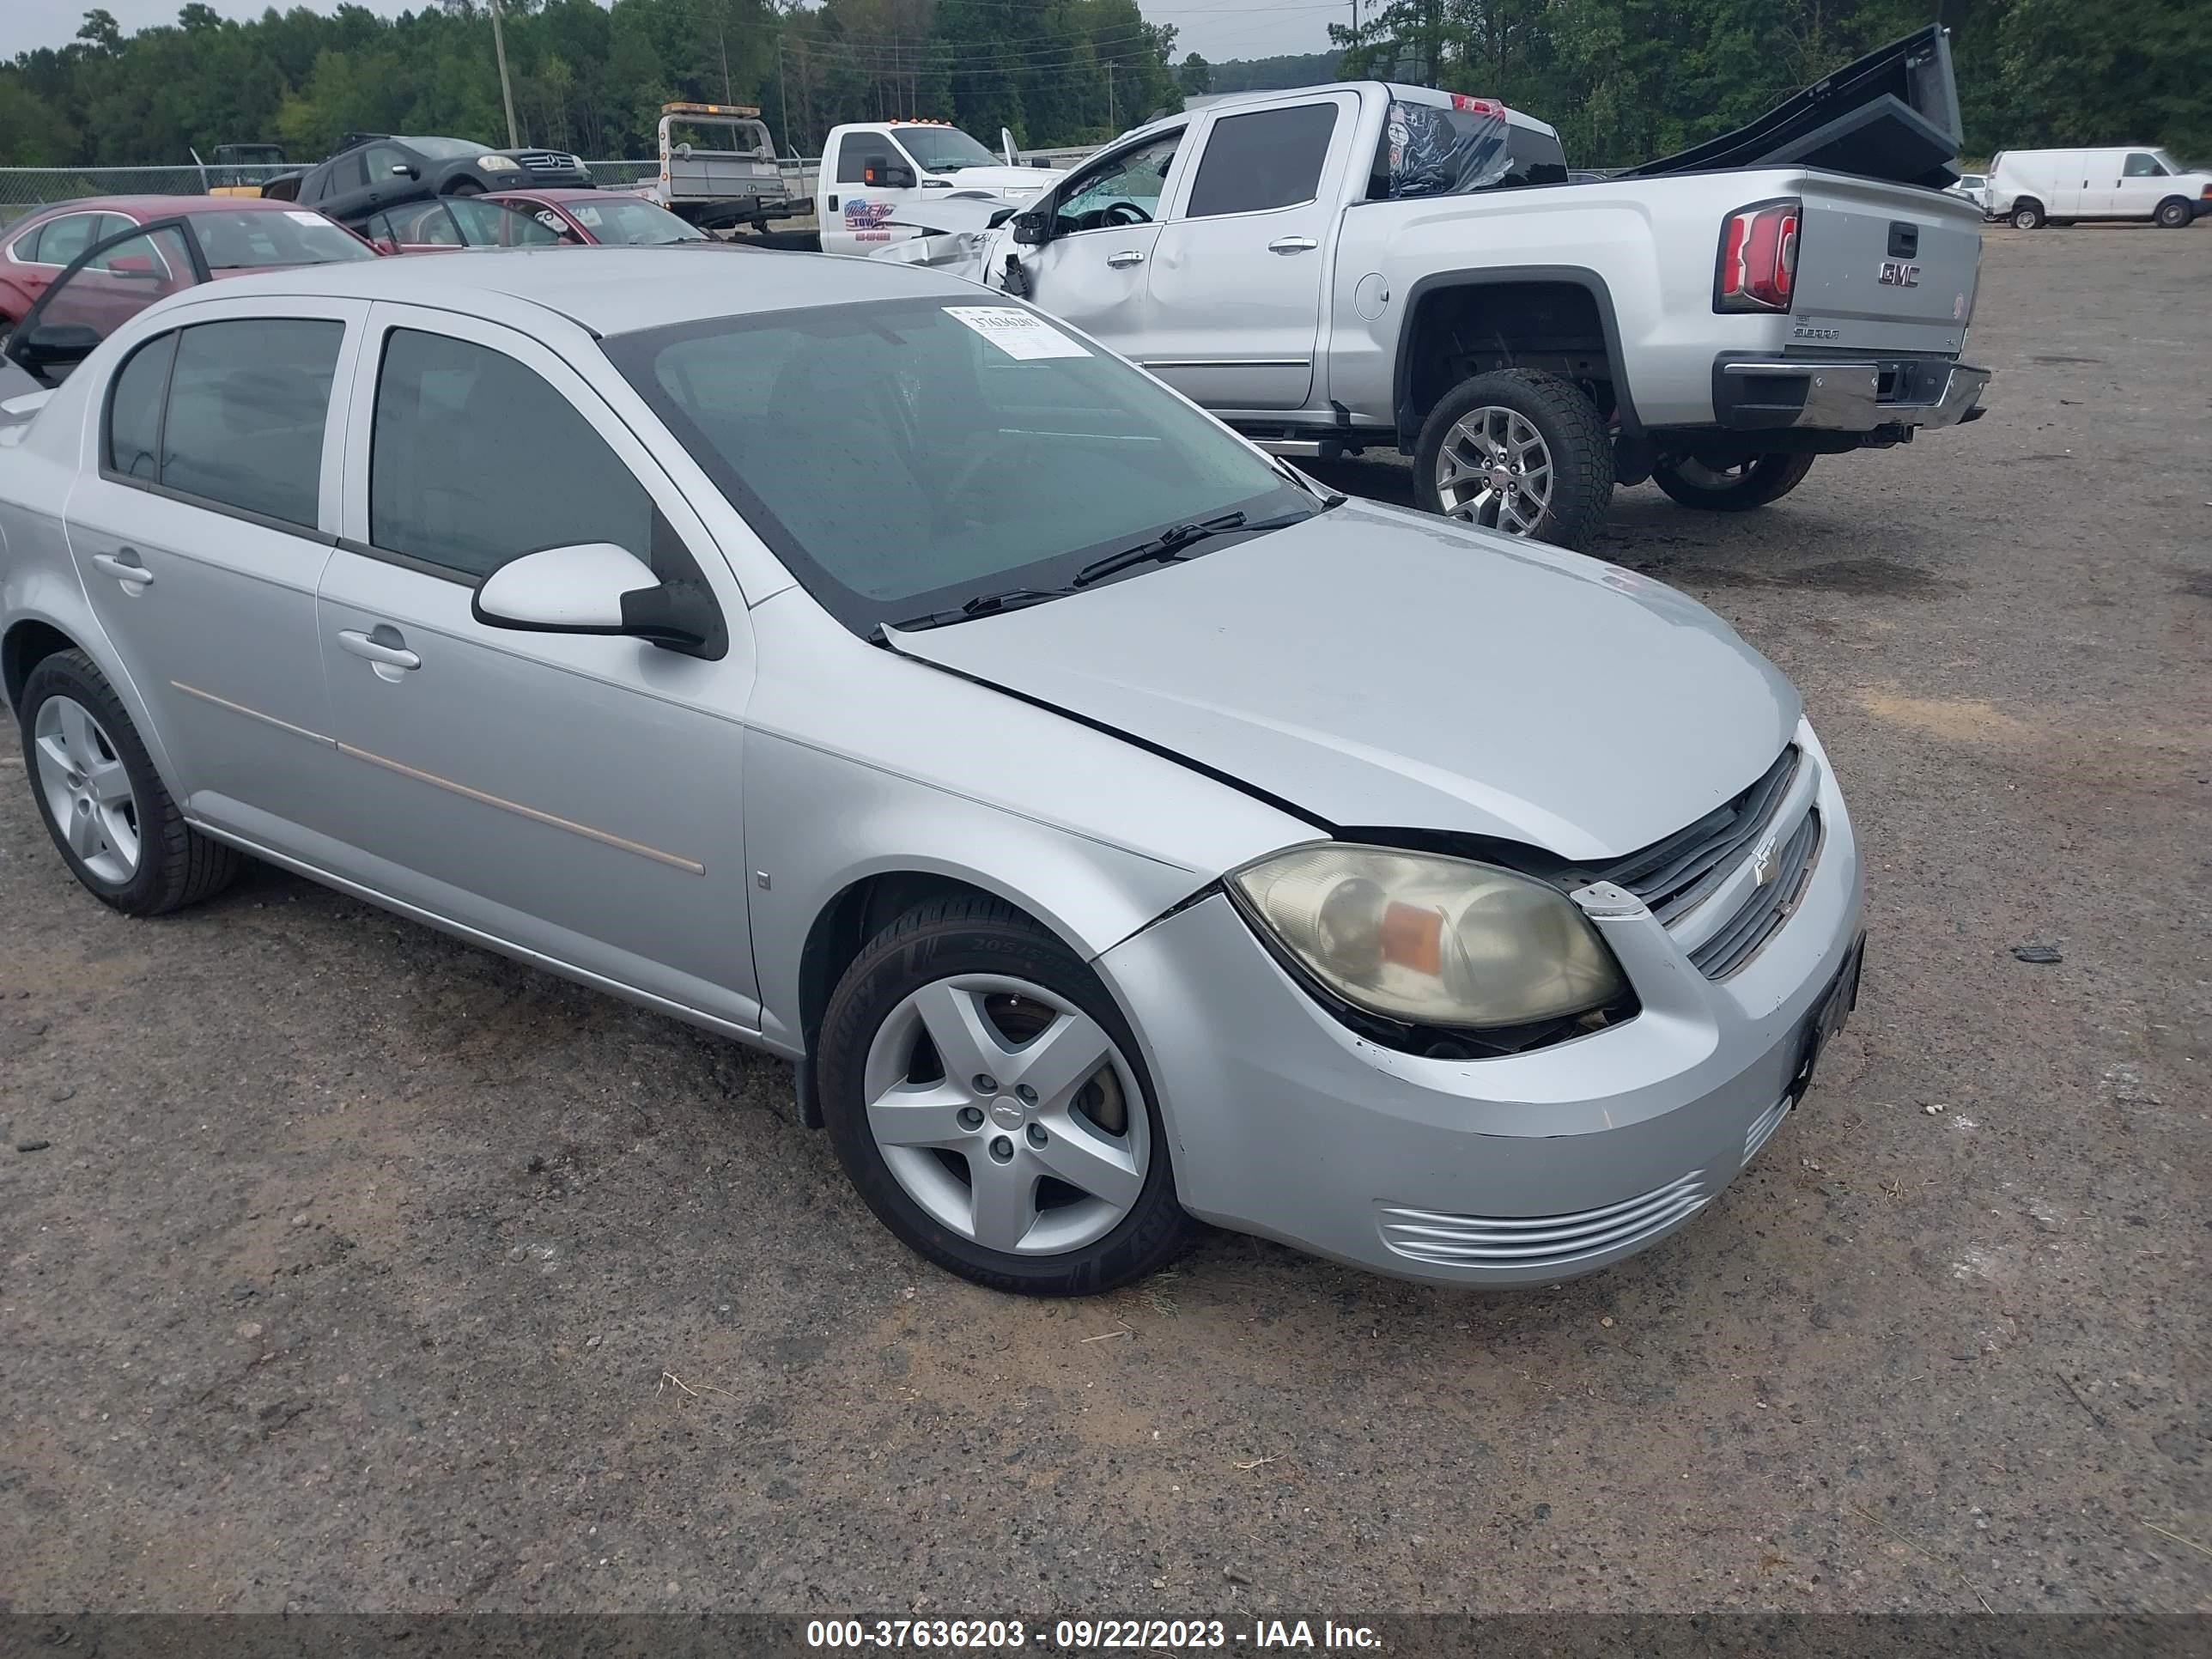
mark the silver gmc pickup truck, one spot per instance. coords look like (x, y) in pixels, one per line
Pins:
(1340, 267)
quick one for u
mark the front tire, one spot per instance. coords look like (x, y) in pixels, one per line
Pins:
(2027, 215)
(988, 1100)
(2176, 214)
(1737, 488)
(1518, 451)
(110, 816)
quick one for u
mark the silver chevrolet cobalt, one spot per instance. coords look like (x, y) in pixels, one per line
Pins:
(1117, 830)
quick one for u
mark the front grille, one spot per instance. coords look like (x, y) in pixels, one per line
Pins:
(1766, 910)
(1674, 876)
(1540, 1243)
(546, 160)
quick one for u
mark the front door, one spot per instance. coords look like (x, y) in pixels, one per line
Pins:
(1105, 222)
(1236, 285)
(200, 540)
(2140, 185)
(575, 796)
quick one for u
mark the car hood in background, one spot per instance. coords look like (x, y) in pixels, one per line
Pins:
(1382, 669)
(1009, 182)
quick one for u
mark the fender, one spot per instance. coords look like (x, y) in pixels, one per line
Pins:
(1576, 276)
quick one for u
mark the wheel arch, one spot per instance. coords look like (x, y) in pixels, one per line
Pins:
(2186, 203)
(40, 633)
(1426, 307)
(861, 908)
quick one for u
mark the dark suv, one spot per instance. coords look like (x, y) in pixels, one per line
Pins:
(371, 171)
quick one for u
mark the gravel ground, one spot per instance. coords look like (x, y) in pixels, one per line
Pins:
(358, 1269)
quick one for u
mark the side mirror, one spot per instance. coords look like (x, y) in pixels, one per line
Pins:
(884, 173)
(998, 218)
(593, 587)
(683, 151)
(135, 265)
(55, 345)
(1033, 228)
(401, 170)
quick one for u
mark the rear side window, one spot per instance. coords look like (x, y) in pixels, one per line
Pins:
(246, 407)
(134, 410)
(474, 460)
(1270, 159)
(64, 238)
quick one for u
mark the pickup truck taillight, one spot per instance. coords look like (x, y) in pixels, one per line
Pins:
(1759, 257)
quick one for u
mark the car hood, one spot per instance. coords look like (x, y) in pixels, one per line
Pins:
(1373, 668)
(1003, 181)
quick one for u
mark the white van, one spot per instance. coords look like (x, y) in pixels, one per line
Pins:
(2031, 187)
(875, 173)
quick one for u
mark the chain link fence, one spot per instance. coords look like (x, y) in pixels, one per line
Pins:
(24, 190)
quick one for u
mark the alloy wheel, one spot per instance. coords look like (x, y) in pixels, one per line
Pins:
(1007, 1113)
(1496, 470)
(86, 788)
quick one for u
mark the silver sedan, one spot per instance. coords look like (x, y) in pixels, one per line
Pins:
(1118, 831)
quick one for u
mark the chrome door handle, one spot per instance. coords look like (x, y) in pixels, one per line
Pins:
(389, 656)
(124, 567)
(1293, 245)
(1127, 256)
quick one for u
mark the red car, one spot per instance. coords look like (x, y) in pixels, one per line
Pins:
(601, 215)
(234, 235)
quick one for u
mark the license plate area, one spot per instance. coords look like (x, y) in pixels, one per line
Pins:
(1828, 1017)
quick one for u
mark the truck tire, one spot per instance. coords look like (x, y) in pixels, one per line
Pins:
(1731, 489)
(1517, 451)
(2175, 213)
(2027, 215)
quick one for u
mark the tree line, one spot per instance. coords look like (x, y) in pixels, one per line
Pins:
(1624, 80)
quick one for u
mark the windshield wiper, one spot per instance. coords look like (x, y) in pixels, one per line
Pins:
(1169, 543)
(983, 605)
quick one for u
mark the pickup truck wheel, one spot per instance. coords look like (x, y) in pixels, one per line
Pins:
(2027, 216)
(2175, 212)
(1737, 489)
(1518, 451)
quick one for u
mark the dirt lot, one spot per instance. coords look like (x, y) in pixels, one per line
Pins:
(366, 1271)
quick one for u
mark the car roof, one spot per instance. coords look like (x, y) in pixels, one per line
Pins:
(1228, 102)
(146, 208)
(612, 290)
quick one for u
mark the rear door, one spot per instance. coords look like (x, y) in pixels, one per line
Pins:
(200, 537)
(1233, 306)
(1888, 267)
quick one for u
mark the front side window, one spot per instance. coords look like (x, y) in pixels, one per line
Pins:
(1125, 191)
(2140, 166)
(903, 456)
(852, 159)
(474, 460)
(248, 401)
(134, 410)
(129, 274)
(494, 224)
(1270, 158)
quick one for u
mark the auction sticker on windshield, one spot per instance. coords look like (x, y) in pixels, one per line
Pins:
(1017, 332)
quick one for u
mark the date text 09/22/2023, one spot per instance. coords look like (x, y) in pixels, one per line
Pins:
(1092, 1635)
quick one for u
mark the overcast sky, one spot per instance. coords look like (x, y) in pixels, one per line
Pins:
(1214, 28)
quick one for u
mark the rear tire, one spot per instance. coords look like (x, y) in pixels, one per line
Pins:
(926, 1052)
(2175, 213)
(1517, 451)
(2027, 215)
(1737, 488)
(110, 816)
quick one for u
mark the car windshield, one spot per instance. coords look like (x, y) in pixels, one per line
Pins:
(445, 149)
(2165, 160)
(630, 222)
(943, 150)
(253, 240)
(906, 456)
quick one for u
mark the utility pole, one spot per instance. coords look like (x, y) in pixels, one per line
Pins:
(506, 89)
(1110, 121)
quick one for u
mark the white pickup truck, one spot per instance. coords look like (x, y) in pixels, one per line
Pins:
(1342, 267)
(876, 174)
